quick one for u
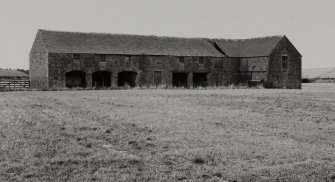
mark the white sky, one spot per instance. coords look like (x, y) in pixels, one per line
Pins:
(309, 24)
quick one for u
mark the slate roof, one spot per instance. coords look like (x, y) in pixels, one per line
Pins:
(255, 47)
(103, 43)
(12, 73)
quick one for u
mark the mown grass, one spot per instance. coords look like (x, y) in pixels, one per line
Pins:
(169, 135)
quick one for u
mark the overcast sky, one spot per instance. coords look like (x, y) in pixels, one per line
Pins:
(309, 24)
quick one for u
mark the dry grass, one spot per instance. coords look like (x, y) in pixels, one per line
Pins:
(169, 135)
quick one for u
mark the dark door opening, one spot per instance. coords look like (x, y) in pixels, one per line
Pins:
(179, 79)
(199, 80)
(244, 77)
(75, 79)
(157, 78)
(127, 78)
(101, 79)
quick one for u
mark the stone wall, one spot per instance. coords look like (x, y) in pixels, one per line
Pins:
(144, 66)
(255, 68)
(288, 76)
(38, 64)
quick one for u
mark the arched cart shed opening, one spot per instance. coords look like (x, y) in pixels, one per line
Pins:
(75, 79)
(127, 78)
(101, 79)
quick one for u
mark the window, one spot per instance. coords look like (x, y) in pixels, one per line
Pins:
(284, 60)
(102, 57)
(201, 60)
(181, 60)
(76, 57)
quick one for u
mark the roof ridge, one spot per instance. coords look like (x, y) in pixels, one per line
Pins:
(122, 34)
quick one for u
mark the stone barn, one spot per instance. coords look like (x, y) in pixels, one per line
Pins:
(71, 59)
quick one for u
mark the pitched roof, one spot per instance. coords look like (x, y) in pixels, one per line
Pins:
(12, 73)
(262, 46)
(103, 43)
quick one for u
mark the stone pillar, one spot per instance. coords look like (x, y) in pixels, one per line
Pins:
(89, 79)
(190, 80)
(114, 79)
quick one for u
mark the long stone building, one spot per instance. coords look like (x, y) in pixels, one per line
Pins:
(71, 59)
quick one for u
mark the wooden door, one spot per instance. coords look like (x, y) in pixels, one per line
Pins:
(157, 78)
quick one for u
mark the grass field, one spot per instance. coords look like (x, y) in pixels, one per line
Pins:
(169, 135)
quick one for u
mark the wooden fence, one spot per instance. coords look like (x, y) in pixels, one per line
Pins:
(14, 85)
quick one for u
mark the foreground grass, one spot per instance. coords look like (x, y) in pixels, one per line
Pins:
(169, 135)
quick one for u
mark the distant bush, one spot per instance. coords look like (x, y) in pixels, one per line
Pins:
(307, 80)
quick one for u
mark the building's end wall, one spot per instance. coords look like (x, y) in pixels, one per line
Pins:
(38, 64)
(281, 76)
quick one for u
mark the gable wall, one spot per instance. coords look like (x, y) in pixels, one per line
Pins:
(285, 78)
(38, 64)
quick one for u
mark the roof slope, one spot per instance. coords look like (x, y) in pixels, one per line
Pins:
(101, 43)
(262, 46)
(12, 73)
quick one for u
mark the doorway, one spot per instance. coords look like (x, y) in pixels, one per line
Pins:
(75, 79)
(101, 79)
(199, 80)
(127, 78)
(179, 79)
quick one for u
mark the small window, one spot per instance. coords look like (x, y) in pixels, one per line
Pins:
(201, 60)
(284, 59)
(76, 57)
(181, 60)
(102, 57)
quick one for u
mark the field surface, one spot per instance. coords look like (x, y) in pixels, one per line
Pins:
(169, 135)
